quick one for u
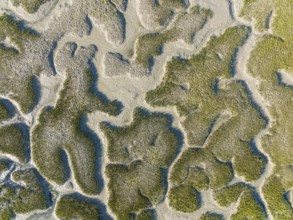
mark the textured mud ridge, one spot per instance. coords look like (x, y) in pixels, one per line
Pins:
(137, 109)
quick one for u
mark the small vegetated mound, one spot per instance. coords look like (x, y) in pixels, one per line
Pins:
(140, 155)
(13, 37)
(15, 141)
(275, 195)
(7, 110)
(14, 136)
(184, 27)
(4, 165)
(223, 121)
(107, 16)
(14, 32)
(148, 46)
(211, 216)
(272, 53)
(4, 114)
(196, 170)
(75, 206)
(64, 127)
(156, 14)
(258, 11)
(31, 6)
(29, 192)
(146, 215)
(250, 206)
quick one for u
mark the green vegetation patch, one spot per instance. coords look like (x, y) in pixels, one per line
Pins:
(211, 216)
(12, 29)
(6, 214)
(64, 127)
(75, 206)
(149, 46)
(146, 215)
(274, 194)
(272, 54)
(184, 198)
(202, 92)
(31, 197)
(196, 170)
(258, 11)
(28, 194)
(14, 141)
(230, 194)
(219, 115)
(250, 205)
(213, 173)
(13, 37)
(184, 27)
(4, 113)
(30, 6)
(139, 154)
(106, 14)
(4, 165)
(155, 14)
(249, 208)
